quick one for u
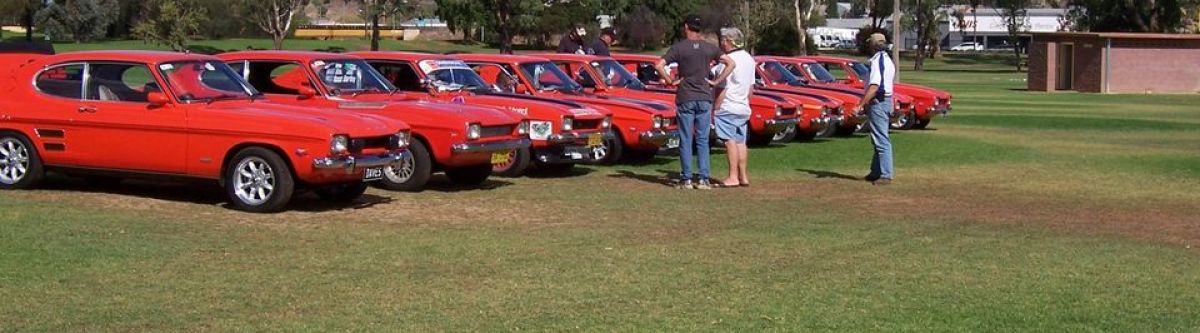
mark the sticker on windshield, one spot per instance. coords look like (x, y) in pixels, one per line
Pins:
(166, 67)
(432, 65)
(209, 66)
(338, 73)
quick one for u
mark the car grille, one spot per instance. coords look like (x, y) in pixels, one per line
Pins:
(943, 101)
(789, 111)
(586, 124)
(379, 142)
(493, 131)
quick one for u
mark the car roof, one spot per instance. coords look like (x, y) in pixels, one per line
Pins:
(569, 56)
(400, 55)
(284, 55)
(129, 56)
(500, 57)
(784, 59)
(636, 57)
(828, 59)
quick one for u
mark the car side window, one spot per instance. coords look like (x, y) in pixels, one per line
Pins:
(64, 81)
(402, 75)
(116, 82)
(284, 78)
(837, 71)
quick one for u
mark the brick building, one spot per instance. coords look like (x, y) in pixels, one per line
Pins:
(1115, 63)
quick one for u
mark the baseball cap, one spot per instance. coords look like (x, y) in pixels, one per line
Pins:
(693, 22)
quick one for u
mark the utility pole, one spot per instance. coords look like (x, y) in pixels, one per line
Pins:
(896, 35)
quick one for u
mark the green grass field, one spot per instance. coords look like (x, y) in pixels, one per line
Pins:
(1019, 212)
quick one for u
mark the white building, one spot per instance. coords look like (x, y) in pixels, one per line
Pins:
(985, 26)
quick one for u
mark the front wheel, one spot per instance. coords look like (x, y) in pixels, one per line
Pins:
(610, 151)
(259, 181)
(342, 193)
(469, 175)
(20, 165)
(786, 135)
(518, 162)
(907, 121)
(412, 173)
(921, 123)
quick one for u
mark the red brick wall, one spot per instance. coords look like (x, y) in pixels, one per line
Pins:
(1089, 65)
(1155, 66)
(1041, 67)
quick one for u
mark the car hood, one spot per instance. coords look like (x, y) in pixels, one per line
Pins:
(290, 118)
(431, 113)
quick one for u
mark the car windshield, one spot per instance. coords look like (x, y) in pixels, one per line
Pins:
(615, 75)
(820, 73)
(204, 81)
(860, 69)
(546, 76)
(778, 74)
(350, 76)
(453, 75)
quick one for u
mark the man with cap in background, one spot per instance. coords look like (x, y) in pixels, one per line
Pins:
(694, 98)
(878, 101)
(599, 46)
(573, 42)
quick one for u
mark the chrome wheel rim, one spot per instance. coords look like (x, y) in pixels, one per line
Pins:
(601, 151)
(779, 136)
(14, 161)
(900, 122)
(254, 182)
(401, 172)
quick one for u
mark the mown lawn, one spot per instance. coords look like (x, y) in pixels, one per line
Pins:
(1020, 212)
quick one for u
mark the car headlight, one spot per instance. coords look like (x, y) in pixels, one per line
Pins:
(400, 140)
(607, 122)
(523, 127)
(473, 131)
(568, 124)
(339, 145)
(657, 122)
(778, 110)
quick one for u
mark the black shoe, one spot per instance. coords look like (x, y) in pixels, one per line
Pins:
(871, 178)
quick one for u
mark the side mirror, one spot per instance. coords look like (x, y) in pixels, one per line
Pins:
(307, 92)
(521, 89)
(157, 99)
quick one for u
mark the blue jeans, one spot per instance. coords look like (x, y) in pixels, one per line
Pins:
(695, 120)
(880, 116)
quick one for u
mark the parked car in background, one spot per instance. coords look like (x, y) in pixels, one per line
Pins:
(456, 138)
(814, 74)
(927, 102)
(640, 127)
(814, 114)
(433, 77)
(117, 114)
(967, 46)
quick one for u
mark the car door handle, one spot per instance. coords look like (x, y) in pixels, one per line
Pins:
(87, 109)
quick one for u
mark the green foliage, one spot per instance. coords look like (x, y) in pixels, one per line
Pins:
(924, 16)
(780, 39)
(505, 18)
(170, 22)
(1160, 16)
(77, 20)
(831, 10)
(641, 29)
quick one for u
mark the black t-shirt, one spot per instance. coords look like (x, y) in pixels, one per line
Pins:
(695, 60)
(598, 48)
(568, 45)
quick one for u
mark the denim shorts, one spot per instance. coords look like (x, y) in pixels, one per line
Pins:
(732, 127)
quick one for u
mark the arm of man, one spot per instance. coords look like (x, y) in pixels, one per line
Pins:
(729, 65)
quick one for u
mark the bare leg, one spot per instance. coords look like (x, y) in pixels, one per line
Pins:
(734, 153)
(743, 160)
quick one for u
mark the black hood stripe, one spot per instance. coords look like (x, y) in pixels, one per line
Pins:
(653, 105)
(537, 99)
(823, 99)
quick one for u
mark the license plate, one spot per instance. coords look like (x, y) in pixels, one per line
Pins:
(500, 157)
(372, 174)
(595, 140)
(672, 143)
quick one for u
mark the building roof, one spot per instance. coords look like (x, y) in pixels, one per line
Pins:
(1119, 35)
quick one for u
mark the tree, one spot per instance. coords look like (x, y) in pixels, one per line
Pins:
(1014, 15)
(881, 11)
(25, 10)
(170, 22)
(641, 29)
(77, 20)
(463, 16)
(507, 17)
(375, 10)
(274, 16)
(1162, 16)
(924, 18)
(804, 10)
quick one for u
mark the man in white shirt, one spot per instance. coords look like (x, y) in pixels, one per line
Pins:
(733, 106)
(878, 98)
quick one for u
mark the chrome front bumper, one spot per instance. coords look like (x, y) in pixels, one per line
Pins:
(487, 147)
(938, 110)
(776, 125)
(821, 122)
(349, 163)
(574, 136)
(658, 137)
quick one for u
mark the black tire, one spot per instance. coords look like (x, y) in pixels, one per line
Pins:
(806, 136)
(418, 167)
(470, 175)
(828, 131)
(922, 123)
(903, 123)
(787, 135)
(239, 186)
(846, 131)
(102, 181)
(519, 161)
(614, 150)
(15, 150)
(341, 193)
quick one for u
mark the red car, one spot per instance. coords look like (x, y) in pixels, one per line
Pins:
(813, 120)
(443, 78)
(110, 115)
(456, 138)
(771, 115)
(642, 127)
(928, 102)
(813, 74)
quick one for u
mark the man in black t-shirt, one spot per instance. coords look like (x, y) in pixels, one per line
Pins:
(694, 98)
(573, 42)
(599, 46)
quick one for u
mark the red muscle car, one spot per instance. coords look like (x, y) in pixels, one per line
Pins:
(640, 127)
(813, 74)
(443, 78)
(774, 72)
(815, 119)
(110, 115)
(456, 138)
(928, 102)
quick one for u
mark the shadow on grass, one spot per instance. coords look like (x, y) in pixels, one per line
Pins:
(312, 204)
(829, 174)
(444, 185)
(664, 178)
(558, 172)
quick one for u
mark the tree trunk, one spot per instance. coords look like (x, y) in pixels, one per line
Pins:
(278, 42)
(801, 33)
(375, 32)
(27, 20)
